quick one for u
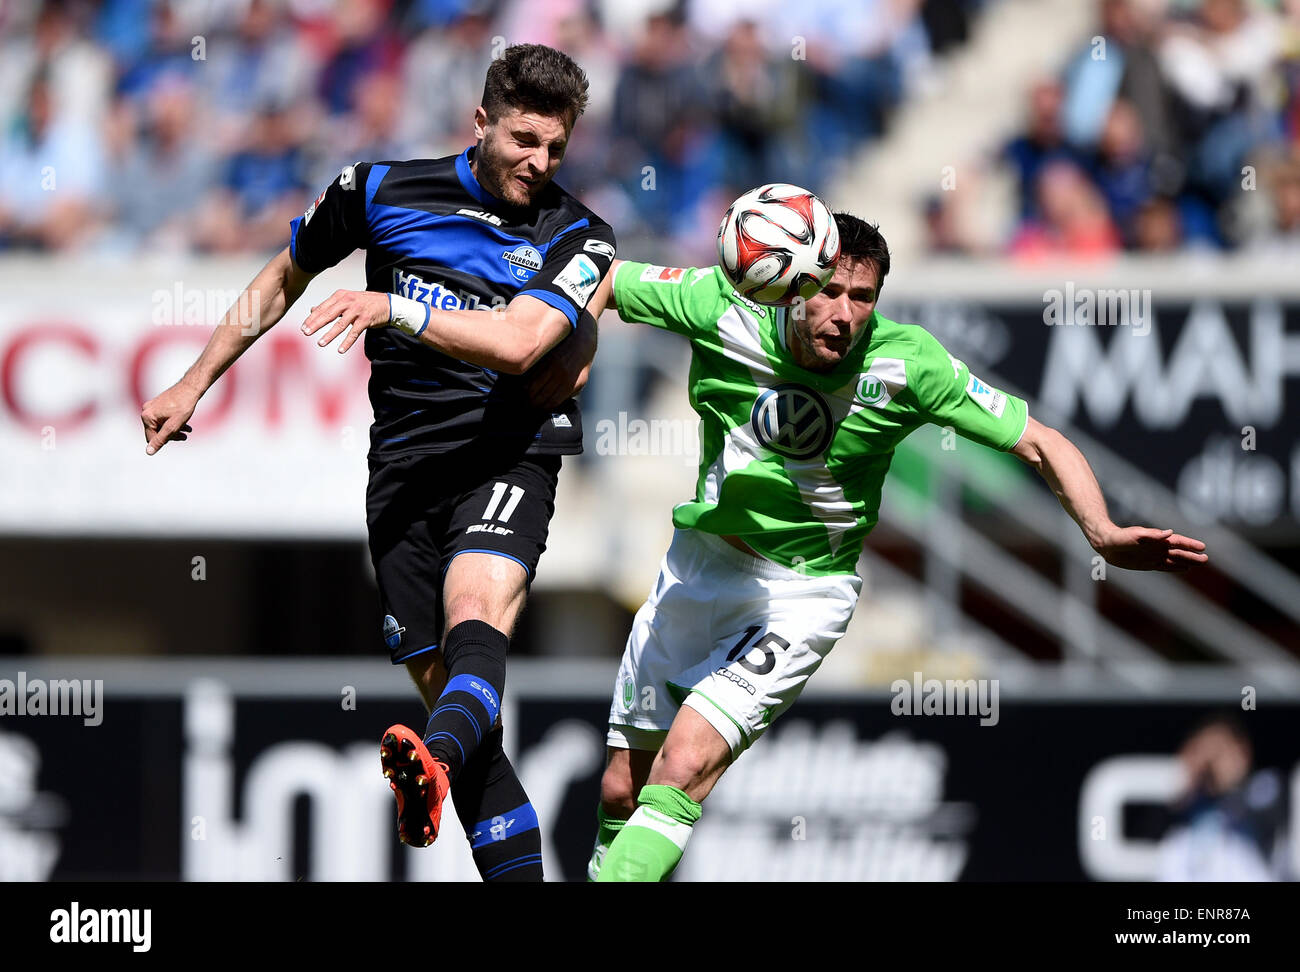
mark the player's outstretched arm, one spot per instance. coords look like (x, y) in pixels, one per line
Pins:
(261, 305)
(518, 337)
(1067, 472)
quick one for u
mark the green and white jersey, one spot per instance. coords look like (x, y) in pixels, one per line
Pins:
(791, 460)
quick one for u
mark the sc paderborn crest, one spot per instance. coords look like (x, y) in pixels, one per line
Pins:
(792, 421)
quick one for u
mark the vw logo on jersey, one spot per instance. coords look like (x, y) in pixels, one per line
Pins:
(792, 421)
(524, 261)
(392, 631)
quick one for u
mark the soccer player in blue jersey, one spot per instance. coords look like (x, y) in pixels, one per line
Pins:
(481, 267)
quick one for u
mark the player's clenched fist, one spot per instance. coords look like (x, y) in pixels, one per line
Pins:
(348, 310)
(166, 417)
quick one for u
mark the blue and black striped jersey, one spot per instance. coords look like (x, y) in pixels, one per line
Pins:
(431, 232)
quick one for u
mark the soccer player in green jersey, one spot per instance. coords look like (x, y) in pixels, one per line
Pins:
(800, 411)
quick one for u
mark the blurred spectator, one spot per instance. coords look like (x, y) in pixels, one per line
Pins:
(664, 146)
(1171, 102)
(1228, 819)
(51, 179)
(78, 73)
(202, 125)
(262, 63)
(1281, 237)
(860, 55)
(1219, 67)
(1157, 226)
(169, 55)
(261, 190)
(443, 83)
(756, 100)
(586, 161)
(1042, 143)
(165, 173)
(363, 43)
(1119, 62)
(1122, 168)
(1074, 222)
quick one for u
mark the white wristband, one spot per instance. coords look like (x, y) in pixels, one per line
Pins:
(412, 316)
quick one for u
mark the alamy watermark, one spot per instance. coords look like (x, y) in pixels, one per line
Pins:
(648, 437)
(53, 697)
(931, 696)
(78, 925)
(1086, 307)
(202, 307)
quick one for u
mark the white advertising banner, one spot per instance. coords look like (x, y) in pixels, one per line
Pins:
(279, 443)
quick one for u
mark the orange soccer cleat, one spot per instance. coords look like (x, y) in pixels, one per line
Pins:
(420, 782)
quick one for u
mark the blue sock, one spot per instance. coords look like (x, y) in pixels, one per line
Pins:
(500, 824)
(463, 716)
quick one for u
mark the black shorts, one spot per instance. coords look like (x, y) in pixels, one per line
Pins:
(424, 510)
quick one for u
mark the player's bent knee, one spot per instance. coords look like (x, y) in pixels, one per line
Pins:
(617, 791)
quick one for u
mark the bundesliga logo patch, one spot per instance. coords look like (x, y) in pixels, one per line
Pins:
(660, 274)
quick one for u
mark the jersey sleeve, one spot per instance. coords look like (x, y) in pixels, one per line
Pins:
(573, 268)
(951, 397)
(680, 299)
(334, 225)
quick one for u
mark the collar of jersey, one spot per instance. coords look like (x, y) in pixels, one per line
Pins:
(824, 379)
(471, 183)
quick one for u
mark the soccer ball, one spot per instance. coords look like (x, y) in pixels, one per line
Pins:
(778, 243)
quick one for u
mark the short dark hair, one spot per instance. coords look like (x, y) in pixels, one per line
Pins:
(860, 240)
(535, 78)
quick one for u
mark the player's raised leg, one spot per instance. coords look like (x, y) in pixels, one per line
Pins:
(483, 594)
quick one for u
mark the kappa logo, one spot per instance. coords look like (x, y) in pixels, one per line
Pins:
(758, 309)
(792, 421)
(524, 261)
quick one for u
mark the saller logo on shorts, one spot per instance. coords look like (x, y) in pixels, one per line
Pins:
(792, 421)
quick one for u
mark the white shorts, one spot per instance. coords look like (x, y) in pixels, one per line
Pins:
(732, 636)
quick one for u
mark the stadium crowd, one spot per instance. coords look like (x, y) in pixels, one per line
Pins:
(1174, 126)
(131, 126)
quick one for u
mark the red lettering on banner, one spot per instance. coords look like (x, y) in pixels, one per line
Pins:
(23, 342)
(214, 412)
(289, 360)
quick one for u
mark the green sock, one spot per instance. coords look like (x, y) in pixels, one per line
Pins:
(607, 828)
(653, 839)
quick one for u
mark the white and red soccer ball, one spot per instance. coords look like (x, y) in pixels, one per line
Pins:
(778, 243)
